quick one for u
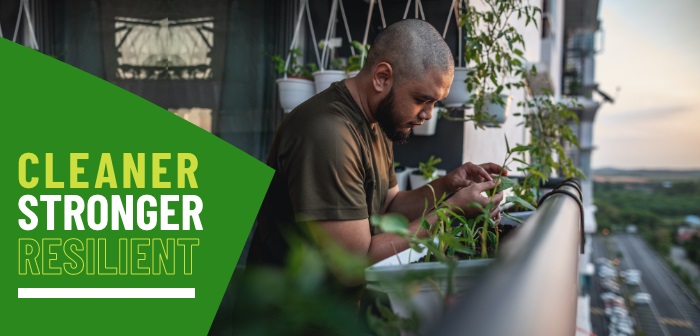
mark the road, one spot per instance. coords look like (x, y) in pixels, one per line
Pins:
(672, 311)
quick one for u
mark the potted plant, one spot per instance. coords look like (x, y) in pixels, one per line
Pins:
(494, 54)
(357, 60)
(323, 78)
(296, 85)
(425, 173)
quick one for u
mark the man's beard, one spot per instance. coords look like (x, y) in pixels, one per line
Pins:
(387, 119)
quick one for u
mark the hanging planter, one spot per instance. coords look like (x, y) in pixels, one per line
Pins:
(294, 91)
(324, 78)
(459, 95)
(296, 86)
(497, 111)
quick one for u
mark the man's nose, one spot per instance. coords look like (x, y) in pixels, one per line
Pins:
(427, 112)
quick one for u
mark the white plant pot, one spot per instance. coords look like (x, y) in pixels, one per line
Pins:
(352, 74)
(417, 180)
(458, 95)
(294, 91)
(428, 126)
(429, 283)
(402, 174)
(497, 111)
(324, 79)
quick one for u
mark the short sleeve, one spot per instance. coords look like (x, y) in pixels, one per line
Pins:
(325, 170)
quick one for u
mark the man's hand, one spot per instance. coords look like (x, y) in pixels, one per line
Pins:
(468, 173)
(472, 194)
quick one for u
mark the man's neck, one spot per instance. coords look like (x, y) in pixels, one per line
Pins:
(355, 85)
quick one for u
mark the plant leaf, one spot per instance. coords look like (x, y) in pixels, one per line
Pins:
(391, 223)
(518, 200)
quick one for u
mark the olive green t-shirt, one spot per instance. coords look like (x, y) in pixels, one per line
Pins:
(330, 163)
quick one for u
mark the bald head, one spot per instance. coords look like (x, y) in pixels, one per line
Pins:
(411, 47)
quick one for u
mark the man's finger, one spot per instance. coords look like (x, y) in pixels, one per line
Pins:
(494, 168)
(486, 185)
(480, 171)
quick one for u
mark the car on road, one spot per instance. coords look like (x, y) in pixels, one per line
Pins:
(606, 272)
(632, 276)
(633, 280)
(641, 298)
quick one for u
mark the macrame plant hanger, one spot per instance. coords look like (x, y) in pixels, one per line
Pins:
(24, 8)
(302, 9)
(369, 20)
(347, 27)
(456, 6)
(325, 55)
(418, 9)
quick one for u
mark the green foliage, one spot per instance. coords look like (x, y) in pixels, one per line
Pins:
(494, 52)
(550, 133)
(355, 62)
(428, 169)
(493, 48)
(299, 299)
(647, 205)
(295, 69)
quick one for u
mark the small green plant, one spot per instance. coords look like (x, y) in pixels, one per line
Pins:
(355, 62)
(428, 169)
(296, 68)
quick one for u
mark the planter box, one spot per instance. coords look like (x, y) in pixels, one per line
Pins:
(420, 288)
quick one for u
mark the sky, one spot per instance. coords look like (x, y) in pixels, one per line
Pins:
(651, 52)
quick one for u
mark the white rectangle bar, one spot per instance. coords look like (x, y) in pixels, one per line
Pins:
(105, 293)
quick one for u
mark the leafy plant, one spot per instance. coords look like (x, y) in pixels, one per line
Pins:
(428, 169)
(451, 237)
(494, 51)
(550, 134)
(296, 68)
(453, 233)
(356, 61)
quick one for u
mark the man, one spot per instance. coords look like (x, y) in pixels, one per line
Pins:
(333, 154)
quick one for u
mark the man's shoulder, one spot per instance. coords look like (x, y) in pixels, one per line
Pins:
(328, 111)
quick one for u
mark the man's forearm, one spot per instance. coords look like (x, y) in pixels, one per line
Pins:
(385, 245)
(411, 203)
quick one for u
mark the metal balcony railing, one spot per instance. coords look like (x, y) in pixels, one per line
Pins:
(532, 287)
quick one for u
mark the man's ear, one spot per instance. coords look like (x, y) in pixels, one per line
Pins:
(383, 77)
